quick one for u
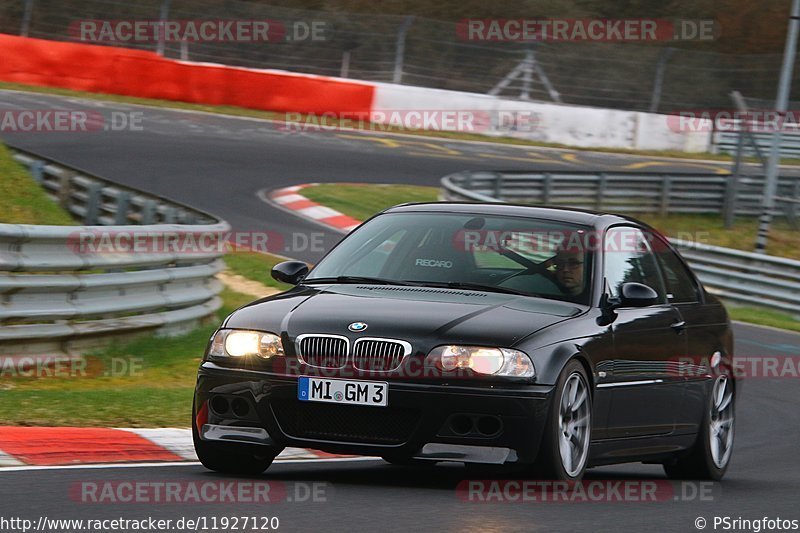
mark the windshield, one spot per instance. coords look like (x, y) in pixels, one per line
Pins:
(527, 256)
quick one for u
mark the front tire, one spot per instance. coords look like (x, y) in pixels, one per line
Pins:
(708, 459)
(564, 450)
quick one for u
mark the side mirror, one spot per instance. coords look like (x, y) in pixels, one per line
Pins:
(291, 272)
(635, 294)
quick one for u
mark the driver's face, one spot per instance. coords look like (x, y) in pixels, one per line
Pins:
(569, 272)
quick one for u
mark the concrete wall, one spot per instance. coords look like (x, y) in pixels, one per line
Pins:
(579, 126)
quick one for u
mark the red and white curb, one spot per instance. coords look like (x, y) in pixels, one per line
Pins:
(55, 446)
(291, 199)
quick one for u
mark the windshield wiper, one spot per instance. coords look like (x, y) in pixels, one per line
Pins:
(465, 285)
(355, 279)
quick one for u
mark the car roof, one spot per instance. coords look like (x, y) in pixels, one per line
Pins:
(561, 214)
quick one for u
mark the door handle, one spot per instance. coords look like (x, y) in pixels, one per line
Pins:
(679, 326)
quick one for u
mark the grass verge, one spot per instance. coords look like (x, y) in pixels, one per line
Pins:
(764, 317)
(348, 124)
(363, 201)
(147, 382)
(256, 267)
(22, 201)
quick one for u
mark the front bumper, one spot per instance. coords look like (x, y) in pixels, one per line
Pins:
(478, 422)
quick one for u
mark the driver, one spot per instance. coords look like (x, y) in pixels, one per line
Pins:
(569, 273)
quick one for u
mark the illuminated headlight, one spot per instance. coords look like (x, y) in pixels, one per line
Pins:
(240, 343)
(483, 360)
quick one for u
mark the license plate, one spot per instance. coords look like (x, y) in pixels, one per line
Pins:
(343, 391)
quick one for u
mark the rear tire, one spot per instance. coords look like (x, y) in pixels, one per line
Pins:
(708, 459)
(564, 451)
(242, 459)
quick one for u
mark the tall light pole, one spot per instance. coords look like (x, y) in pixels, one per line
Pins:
(781, 104)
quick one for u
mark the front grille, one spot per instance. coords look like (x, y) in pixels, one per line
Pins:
(379, 355)
(326, 351)
(345, 423)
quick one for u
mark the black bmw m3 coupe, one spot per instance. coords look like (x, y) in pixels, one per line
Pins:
(551, 339)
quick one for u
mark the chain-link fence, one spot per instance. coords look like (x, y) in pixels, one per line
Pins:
(429, 53)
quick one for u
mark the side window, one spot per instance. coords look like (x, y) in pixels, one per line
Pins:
(628, 258)
(681, 287)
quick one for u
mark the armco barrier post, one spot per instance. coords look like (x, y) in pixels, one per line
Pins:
(548, 188)
(123, 204)
(93, 192)
(666, 192)
(498, 186)
(37, 171)
(601, 192)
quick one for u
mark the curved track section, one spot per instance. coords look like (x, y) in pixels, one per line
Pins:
(218, 164)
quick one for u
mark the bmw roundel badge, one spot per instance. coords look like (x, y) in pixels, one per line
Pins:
(357, 326)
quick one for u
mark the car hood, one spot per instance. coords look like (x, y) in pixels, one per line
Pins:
(420, 315)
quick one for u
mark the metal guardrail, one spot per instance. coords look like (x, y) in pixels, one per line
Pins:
(623, 192)
(737, 276)
(725, 142)
(744, 277)
(97, 201)
(61, 291)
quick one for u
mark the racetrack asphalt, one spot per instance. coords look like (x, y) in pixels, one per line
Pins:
(219, 164)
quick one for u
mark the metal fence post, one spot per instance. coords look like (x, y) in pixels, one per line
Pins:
(163, 15)
(658, 81)
(666, 191)
(781, 105)
(400, 49)
(345, 70)
(732, 185)
(27, 14)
